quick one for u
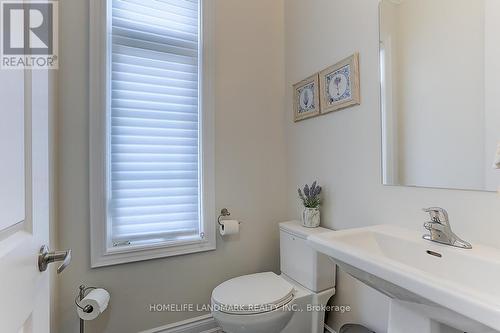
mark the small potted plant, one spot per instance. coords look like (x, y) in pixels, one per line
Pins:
(310, 197)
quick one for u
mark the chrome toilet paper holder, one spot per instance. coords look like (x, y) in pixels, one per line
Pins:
(83, 291)
(224, 213)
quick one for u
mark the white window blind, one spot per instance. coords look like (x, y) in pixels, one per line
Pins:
(154, 128)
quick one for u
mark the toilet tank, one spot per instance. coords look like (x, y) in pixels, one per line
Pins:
(302, 263)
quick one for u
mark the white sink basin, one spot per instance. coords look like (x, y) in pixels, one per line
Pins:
(453, 286)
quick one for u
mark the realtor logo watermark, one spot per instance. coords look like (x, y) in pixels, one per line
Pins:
(29, 34)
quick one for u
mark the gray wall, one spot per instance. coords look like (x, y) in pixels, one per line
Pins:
(254, 165)
(250, 171)
(342, 149)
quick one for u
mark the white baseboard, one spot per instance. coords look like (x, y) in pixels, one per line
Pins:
(202, 324)
(329, 329)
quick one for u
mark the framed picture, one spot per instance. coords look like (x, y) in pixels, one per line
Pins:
(306, 100)
(339, 85)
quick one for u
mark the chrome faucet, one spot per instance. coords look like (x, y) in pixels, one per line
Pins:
(440, 229)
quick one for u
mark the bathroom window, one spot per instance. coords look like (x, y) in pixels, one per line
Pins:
(151, 130)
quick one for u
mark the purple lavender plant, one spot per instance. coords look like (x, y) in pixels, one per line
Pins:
(310, 195)
(337, 82)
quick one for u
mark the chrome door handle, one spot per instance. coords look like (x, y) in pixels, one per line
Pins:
(45, 258)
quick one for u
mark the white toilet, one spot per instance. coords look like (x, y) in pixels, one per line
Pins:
(292, 302)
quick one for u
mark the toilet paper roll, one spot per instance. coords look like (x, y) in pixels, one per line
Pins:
(229, 227)
(98, 299)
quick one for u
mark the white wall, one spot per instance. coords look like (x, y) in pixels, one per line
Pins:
(250, 171)
(342, 149)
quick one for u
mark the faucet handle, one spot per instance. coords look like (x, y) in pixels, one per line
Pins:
(438, 214)
(435, 226)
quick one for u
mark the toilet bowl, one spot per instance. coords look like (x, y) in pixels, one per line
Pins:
(292, 302)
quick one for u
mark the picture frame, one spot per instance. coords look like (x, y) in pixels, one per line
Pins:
(340, 85)
(306, 99)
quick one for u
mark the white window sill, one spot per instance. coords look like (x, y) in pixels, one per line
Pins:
(129, 255)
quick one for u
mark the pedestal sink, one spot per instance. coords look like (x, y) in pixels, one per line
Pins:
(430, 284)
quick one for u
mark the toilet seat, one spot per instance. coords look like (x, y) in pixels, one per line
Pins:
(253, 294)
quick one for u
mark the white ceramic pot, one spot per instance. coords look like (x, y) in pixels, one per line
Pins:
(311, 217)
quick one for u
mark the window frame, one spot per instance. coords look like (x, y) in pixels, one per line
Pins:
(99, 127)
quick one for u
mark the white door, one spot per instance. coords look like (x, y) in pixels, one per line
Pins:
(24, 200)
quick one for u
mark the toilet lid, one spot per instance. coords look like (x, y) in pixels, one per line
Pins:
(252, 294)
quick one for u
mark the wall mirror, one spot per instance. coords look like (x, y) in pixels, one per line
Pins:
(440, 93)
